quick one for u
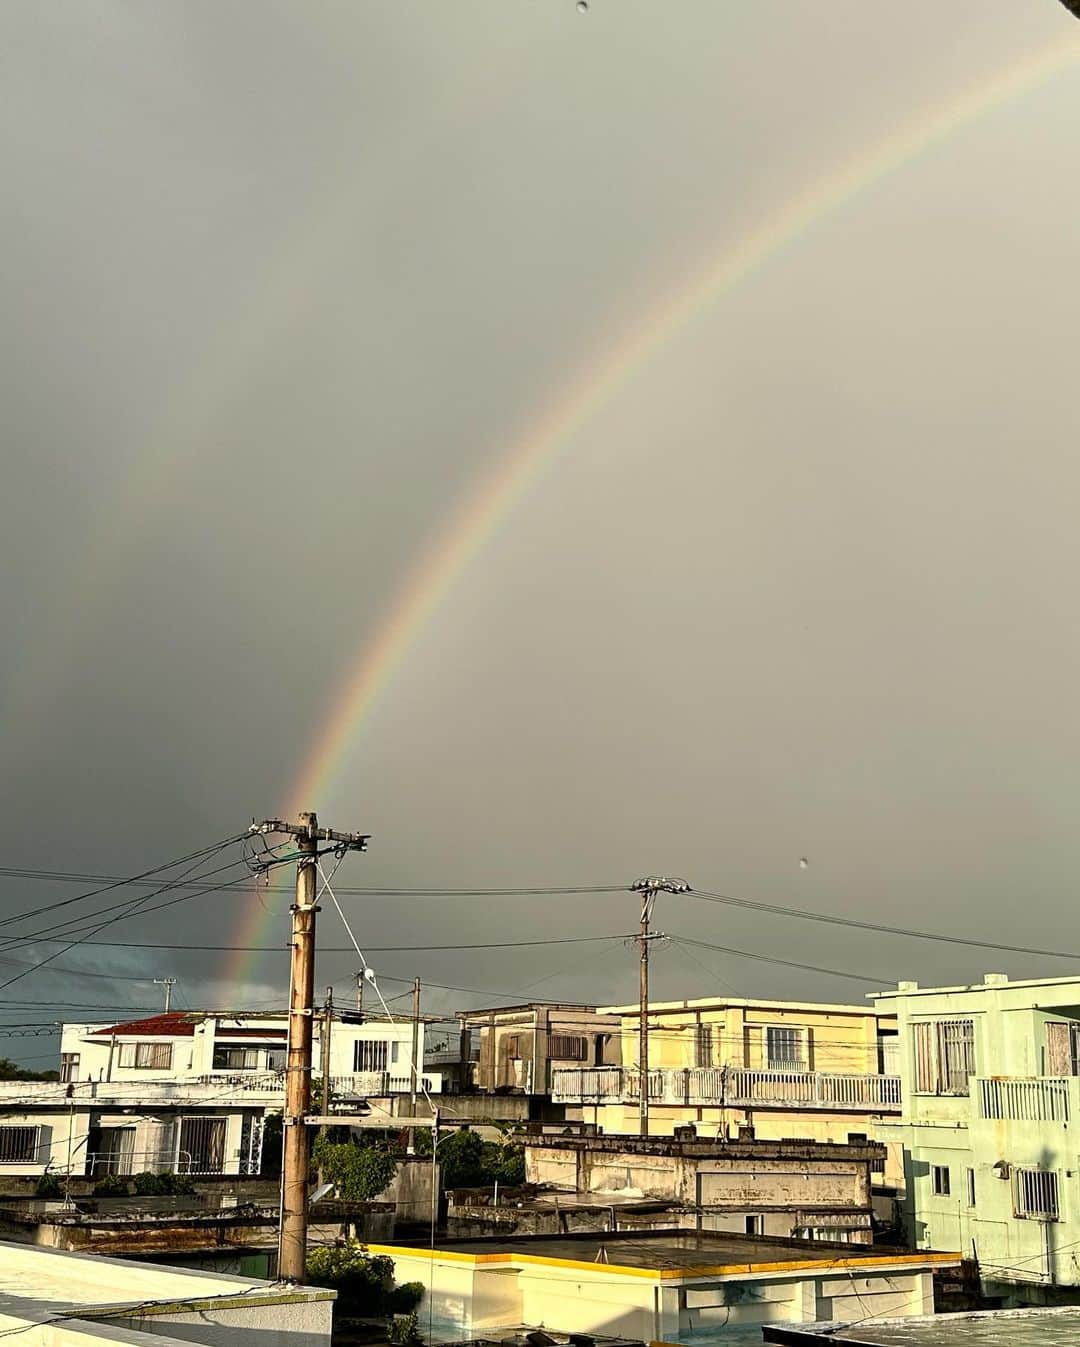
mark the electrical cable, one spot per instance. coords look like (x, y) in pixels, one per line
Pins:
(85, 921)
(115, 882)
(16, 977)
(831, 919)
(784, 963)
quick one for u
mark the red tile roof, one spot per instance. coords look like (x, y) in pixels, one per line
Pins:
(175, 1024)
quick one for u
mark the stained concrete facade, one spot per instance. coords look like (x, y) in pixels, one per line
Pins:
(789, 1189)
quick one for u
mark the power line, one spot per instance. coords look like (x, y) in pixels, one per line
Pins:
(109, 922)
(831, 919)
(785, 963)
(334, 949)
(77, 877)
(71, 925)
(115, 881)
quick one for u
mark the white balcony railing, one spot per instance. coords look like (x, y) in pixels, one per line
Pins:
(735, 1086)
(1036, 1100)
(240, 1088)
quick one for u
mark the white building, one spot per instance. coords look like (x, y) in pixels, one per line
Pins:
(53, 1299)
(186, 1091)
(660, 1286)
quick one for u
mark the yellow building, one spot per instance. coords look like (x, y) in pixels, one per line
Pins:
(785, 1068)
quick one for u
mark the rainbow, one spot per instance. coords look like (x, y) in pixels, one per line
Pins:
(495, 496)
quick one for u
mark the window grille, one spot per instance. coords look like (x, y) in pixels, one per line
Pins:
(1037, 1194)
(944, 1056)
(370, 1054)
(18, 1145)
(568, 1047)
(146, 1056)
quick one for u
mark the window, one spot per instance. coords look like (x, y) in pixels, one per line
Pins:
(69, 1066)
(939, 1180)
(1037, 1194)
(784, 1049)
(568, 1047)
(1062, 1048)
(944, 1056)
(370, 1054)
(146, 1056)
(755, 1225)
(18, 1145)
(513, 1046)
(703, 1045)
(236, 1059)
(276, 1059)
(971, 1187)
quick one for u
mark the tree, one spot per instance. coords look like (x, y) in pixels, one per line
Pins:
(359, 1173)
(10, 1070)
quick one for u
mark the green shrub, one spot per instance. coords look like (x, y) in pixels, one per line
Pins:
(149, 1184)
(111, 1185)
(405, 1298)
(358, 1173)
(364, 1283)
(404, 1330)
(48, 1185)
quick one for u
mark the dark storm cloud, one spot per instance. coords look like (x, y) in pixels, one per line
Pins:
(281, 282)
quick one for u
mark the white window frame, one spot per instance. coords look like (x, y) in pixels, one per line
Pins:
(138, 1056)
(941, 1180)
(944, 1055)
(370, 1054)
(1036, 1194)
(34, 1134)
(799, 1039)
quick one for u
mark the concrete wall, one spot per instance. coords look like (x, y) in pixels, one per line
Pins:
(470, 1298)
(692, 1180)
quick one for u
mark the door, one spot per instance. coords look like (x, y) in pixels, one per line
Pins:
(112, 1150)
(202, 1146)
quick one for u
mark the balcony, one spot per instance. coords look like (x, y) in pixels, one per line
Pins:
(738, 1087)
(246, 1089)
(1044, 1099)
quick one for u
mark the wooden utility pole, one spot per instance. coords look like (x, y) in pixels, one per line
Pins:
(296, 1157)
(414, 1064)
(648, 888)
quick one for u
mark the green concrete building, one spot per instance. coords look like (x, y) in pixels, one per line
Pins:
(990, 1129)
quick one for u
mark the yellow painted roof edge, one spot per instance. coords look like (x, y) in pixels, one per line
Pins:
(915, 1256)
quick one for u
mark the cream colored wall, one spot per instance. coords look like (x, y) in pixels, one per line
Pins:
(836, 1042)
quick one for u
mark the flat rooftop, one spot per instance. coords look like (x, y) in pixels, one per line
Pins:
(38, 1285)
(674, 1253)
(986, 1328)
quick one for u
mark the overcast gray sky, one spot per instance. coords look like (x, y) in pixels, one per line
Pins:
(281, 283)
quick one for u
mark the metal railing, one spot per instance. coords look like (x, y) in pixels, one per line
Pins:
(1036, 1100)
(125, 1163)
(730, 1085)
